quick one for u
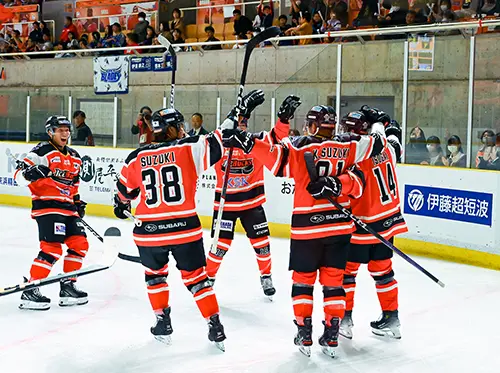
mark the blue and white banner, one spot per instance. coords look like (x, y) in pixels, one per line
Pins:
(451, 204)
(142, 64)
(111, 75)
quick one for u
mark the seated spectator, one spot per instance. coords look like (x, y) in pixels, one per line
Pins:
(36, 35)
(494, 162)
(284, 26)
(30, 45)
(367, 14)
(16, 42)
(176, 23)
(177, 39)
(210, 31)
(132, 41)
(140, 29)
(316, 23)
(332, 24)
(266, 14)
(469, 8)
(164, 30)
(298, 7)
(72, 41)
(68, 27)
(242, 24)
(396, 15)
(411, 17)
(84, 44)
(443, 14)
(45, 30)
(108, 33)
(47, 44)
(340, 9)
(416, 149)
(489, 8)
(4, 44)
(436, 154)
(117, 40)
(305, 28)
(456, 158)
(96, 40)
(487, 152)
(150, 36)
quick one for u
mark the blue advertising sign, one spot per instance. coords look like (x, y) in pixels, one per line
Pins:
(450, 204)
(142, 64)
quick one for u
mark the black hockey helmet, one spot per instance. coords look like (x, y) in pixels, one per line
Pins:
(323, 116)
(56, 121)
(393, 128)
(164, 118)
(355, 122)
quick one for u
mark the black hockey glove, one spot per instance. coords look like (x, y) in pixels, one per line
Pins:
(393, 128)
(325, 187)
(248, 104)
(80, 205)
(238, 139)
(34, 173)
(375, 115)
(288, 107)
(119, 207)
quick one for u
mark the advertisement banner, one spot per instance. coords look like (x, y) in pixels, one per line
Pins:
(450, 204)
(143, 64)
(111, 75)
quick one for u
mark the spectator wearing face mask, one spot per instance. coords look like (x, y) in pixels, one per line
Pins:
(436, 155)
(141, 27)
(396, 15)
(443, 14)
(489, 152)
(416, 149)
(456, 157)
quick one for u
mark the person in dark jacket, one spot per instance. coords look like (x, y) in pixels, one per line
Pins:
(36, 35)
(242, 24)
(416, 149)
(210, 31)
(141, 27)
(197, 124)
(84, 135)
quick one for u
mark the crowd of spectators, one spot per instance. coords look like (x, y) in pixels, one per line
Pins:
(10, 3)
(430, 151)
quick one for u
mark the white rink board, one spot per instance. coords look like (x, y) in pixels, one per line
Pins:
(279, 193)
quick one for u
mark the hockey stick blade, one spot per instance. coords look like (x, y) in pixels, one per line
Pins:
(129, 258)
(313, 175)
(112, 236)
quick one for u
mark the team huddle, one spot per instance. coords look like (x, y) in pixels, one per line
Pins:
(355, 159)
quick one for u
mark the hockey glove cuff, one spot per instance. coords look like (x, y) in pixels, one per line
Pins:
(119, 207)
(238, 139)
(34, 173)
(288, 107)
(80, 206)
(325, 187)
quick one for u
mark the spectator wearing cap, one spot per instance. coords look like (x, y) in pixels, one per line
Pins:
(143, 126)
(68, 27)
(36, 35)
(436, 155)
(84, 135)
(210, 31)
(197, 125)
(141, 27)
(456, 157)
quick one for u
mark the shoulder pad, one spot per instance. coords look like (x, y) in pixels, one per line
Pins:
(347, 137)
(301, 141)
(73, 152)
(42, 148)
(189, 140)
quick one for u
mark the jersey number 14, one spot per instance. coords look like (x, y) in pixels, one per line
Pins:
(387, 187)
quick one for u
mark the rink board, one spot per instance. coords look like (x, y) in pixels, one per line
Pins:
(452, 214)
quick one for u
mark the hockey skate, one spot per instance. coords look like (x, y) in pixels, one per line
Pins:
(346, 325)
(303, 338)
(387, 325)
(216, 332)
(34, 300)
(70, 295)
(267, 286)
(163, 327)
(330, 338)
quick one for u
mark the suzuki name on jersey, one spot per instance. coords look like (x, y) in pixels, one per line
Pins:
(157, 159)
(337, 153)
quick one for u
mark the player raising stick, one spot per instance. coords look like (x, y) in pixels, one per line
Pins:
(320, 234)
(164, 175)
(379, 207)
(53, 169)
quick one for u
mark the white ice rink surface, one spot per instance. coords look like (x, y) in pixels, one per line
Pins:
(456, 329)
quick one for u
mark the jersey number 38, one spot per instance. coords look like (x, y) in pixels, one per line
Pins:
(163, 186)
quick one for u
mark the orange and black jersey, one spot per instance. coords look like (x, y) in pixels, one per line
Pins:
(165, 176)
(379, 206)
(54, 195)
(313, 218)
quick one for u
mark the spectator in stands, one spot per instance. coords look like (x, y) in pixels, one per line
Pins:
(487, 152)
(443, 13)
(84, 135)
(140, 29)
(436, 155)
(469, 8)
(297, 8)
(45, 29)
(305, 28)
(4, 44)
(68, 27)
(316, 23)
(396, 15)
(197, 125)
(283, 24)
(176, 23)
(47, 44)
(456, 158)
(84, 44)
(210, 31)
(16, 42)
(30, 45)
(333, 24)
(72, 41)
(242, 24)
(150, 38)
(132, 40)
(108, 33)
(489, 8)
(367, 14)
(411, 17)
(164, 30)
(416, 149)
(494, 162)
(117, 40)
(96, 40)
(143, 126)
(266, 14)
(178, 39)
(36, 35)
(340, 9)
(293, 132)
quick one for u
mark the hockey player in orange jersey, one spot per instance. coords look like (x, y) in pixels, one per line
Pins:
(244, 199)
(379, 207)
(164, 175)
(52, 169)
(320, 234)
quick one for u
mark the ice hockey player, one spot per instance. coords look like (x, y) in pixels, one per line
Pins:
(244, 199)
(52, 169)
(320, 234)
(164, 175)
(379, 207)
